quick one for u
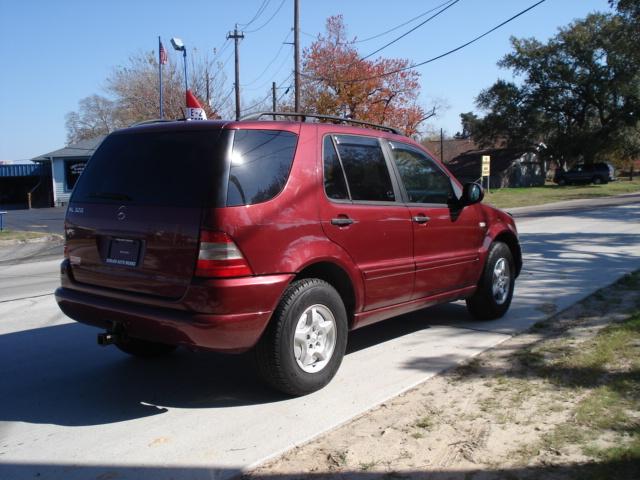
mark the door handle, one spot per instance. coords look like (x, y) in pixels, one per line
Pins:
(421, 219)
(341, 221)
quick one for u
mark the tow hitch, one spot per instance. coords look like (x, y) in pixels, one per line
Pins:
(107, 338)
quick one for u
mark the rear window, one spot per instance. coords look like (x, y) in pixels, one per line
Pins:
(175, 169)
(260, 164)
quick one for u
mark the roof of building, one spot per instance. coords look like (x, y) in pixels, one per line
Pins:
(468, 164)
(21, 170)
(83, 148)
(452, 147)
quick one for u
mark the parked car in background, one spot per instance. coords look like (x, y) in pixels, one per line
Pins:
(596, 173)
(274, 236)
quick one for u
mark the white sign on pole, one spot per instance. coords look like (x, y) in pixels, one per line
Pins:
(486, 165)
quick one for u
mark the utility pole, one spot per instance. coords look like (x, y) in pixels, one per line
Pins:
(441, 146)
(237, 36)
(273, 98)
(296, 53)
(206, 77)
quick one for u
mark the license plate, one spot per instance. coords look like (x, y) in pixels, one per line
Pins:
(124, 251)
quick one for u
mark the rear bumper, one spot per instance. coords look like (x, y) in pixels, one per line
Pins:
(173, 322)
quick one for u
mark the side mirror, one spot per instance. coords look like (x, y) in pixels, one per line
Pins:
(472, 193)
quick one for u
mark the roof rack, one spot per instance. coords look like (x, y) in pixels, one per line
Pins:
(152, 120)
(332, 118)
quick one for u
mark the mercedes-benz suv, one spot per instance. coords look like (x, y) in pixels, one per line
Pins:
(274, 236)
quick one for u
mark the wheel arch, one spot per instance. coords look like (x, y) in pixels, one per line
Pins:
(338, 278)
(511, 240)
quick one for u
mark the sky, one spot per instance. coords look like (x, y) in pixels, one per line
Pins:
(54, 53)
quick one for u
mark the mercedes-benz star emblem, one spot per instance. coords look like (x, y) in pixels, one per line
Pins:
(122, 213)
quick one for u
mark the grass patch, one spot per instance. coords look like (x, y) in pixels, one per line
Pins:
(19, 235)
(605, 371)
(523, 197)
(425, 423)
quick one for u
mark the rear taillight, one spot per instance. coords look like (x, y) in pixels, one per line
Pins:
(220, 257)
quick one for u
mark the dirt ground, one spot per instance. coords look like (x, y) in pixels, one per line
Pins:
(560, 401)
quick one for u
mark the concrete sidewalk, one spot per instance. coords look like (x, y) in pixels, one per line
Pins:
(13, 252)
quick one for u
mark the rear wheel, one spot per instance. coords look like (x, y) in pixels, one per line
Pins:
(144, 348)
(495, 289)
(303, 346)
(596, 180)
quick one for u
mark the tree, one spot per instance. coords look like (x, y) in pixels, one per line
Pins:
(335, 81)
(579, 91)
(134, 95)
(469, 122)
(97, 115)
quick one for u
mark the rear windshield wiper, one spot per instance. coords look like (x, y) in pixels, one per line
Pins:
(111, 196)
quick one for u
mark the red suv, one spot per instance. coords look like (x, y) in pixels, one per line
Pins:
(275, 236)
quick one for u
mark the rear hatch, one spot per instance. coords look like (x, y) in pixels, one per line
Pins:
(134, 218)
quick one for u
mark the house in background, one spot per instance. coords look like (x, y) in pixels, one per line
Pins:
(66, 165)
(509, 167)
(450, 148)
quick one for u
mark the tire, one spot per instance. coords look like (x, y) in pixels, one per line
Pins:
(144, 348)
(596, 180)
(562, 182)
(489, 303)
(283, 358)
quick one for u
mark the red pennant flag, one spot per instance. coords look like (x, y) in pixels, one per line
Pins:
(194, 109)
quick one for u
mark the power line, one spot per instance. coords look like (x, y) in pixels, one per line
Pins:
(261, 9)
(451, 4)
(268, 95)
(275, 74)
(226, 99)
(221, 49)
(373, 37)
(268, 21)
(433, 59)
(271, 62)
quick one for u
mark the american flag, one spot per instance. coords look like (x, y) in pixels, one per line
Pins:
(163, 55)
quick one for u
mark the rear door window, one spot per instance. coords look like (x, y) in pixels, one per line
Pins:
(365, 168)
(260, 165)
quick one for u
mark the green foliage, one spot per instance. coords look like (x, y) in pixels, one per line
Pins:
(579, 94)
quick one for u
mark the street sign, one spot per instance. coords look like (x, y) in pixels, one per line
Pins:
(486, 165)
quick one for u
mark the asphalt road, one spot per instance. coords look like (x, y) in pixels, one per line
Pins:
(71, 410)
(47, 220)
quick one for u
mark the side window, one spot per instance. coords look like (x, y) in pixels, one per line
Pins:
(334, 183)
(423, 180)
(260, 164)
(365, 168)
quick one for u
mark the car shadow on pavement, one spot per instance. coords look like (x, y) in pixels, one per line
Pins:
(58, 375)
(625, 469)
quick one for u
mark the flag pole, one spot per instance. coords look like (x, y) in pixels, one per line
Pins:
(160, 75)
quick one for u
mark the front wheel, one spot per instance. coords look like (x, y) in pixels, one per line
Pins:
(304, 344)
(495, 289)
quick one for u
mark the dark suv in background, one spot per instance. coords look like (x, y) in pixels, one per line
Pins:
(596, 173)
(274, 236)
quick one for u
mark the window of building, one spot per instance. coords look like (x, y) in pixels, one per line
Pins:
(72, 171)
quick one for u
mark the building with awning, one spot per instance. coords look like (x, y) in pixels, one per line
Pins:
(66, 164)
